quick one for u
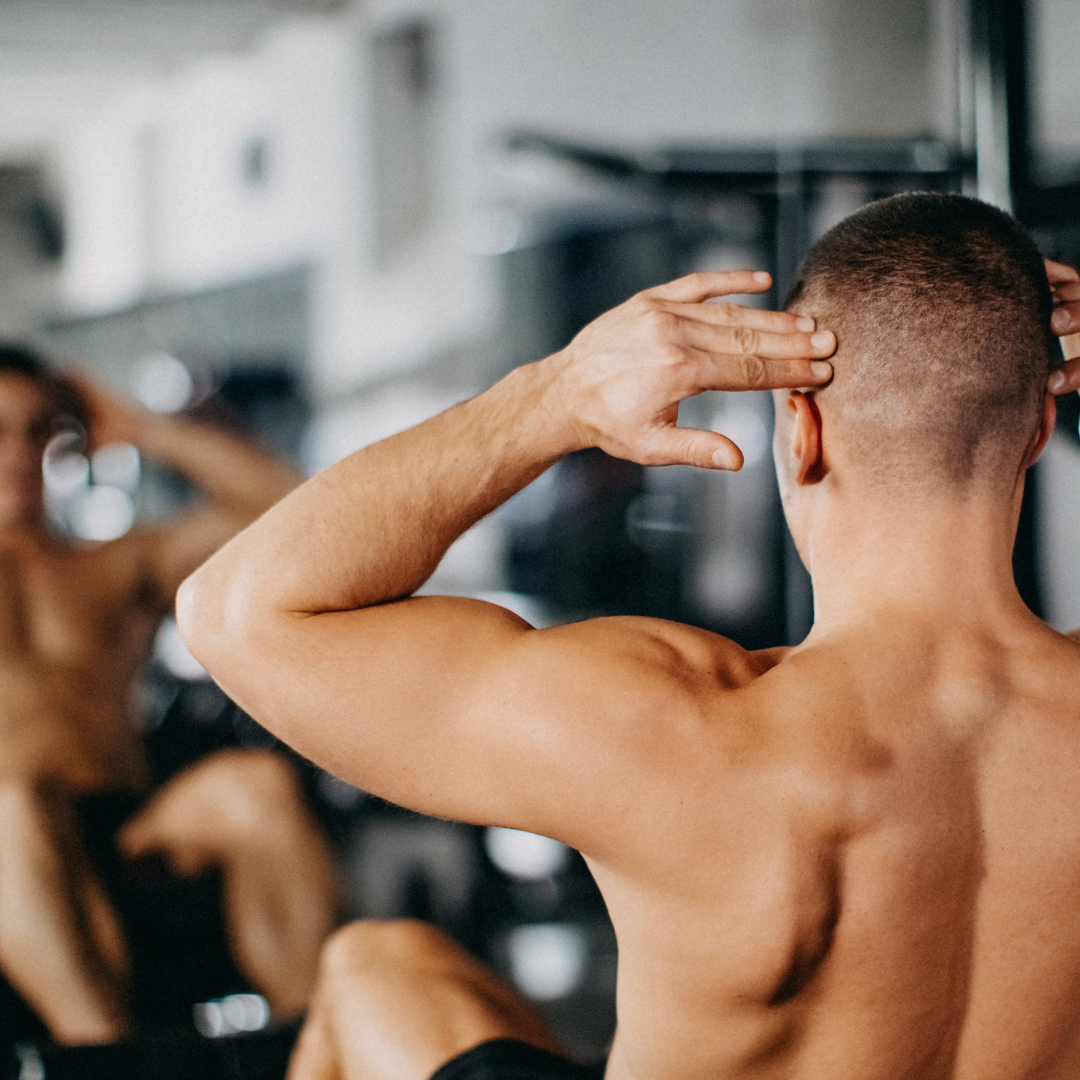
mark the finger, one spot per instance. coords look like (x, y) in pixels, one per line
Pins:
(1066, 316)
(1066, 319)
(722, 314)
(692, 446)
(1065, 379)
(696, 288)
(712, 372)
(1066, 293)
(1058, 272)
(744, 340)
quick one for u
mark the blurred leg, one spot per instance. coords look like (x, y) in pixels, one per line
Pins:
(243, 811)
(60, 943)
(397, 1000)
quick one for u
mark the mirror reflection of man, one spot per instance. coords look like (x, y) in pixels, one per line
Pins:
(76, 622)
(854, 858)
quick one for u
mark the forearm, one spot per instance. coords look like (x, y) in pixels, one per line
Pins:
(234, 475)
(373, 527)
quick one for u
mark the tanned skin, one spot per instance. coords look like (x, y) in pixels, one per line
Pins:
(859, 857)
(76, 621)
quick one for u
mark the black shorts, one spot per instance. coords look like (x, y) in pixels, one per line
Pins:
(174, 927)
(508, 1059)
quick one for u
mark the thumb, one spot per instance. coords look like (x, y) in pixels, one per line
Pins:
(693, 446)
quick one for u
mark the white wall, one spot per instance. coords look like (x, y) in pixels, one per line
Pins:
(1055, 60)
(624, 74)
(697, 69)
(153, 169)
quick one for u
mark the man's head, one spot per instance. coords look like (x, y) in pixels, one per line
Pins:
(33, 403)
(941, 310)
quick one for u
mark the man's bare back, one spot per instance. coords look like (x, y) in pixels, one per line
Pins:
(856, 858)
(761, 858)
(76, 623)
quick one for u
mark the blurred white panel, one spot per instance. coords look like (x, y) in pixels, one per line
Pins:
(107, 187)
(342, 429)
(745, 427)
(700, 69)
(1055, 65)
(473, 563)
(252, 168)
(1059, 532)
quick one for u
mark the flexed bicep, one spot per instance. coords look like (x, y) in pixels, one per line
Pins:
(454, 707)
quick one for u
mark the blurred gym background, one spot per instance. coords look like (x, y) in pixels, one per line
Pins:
(320, 222)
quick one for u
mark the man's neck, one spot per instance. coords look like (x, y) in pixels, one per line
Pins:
(933, 558)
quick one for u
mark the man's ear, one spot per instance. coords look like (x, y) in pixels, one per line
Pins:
(806, 437)
(1046, 428)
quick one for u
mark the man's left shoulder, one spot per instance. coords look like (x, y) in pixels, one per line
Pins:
(690, 650)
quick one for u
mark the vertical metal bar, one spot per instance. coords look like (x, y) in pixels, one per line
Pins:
(991, 104)
(1000, 91)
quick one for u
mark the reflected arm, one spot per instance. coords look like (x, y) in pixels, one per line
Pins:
(238, 480)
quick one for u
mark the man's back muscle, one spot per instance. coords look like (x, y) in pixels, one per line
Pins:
(844, 875)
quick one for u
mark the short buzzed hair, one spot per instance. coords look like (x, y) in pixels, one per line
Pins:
(941, 309)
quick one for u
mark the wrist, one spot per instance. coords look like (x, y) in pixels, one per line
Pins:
(546, 386)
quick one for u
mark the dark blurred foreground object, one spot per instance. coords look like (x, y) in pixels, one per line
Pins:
(174, 928)
(171, 1056)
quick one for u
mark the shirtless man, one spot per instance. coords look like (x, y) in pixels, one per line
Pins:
(76, 622)
(858, 857)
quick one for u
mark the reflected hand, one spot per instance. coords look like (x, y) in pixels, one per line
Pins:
(1065, 322)
(626, 373)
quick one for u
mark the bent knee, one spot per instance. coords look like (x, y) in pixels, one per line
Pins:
(374, 944)
(248, 789)
(261, 774)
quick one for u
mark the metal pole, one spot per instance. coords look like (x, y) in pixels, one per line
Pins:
(1000, 93)
(991, 106)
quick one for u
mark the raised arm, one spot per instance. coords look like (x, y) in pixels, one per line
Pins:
(238, 480)
(452, 706)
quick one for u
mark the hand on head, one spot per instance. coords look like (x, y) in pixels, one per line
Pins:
(1065, 286)
(627, 372)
